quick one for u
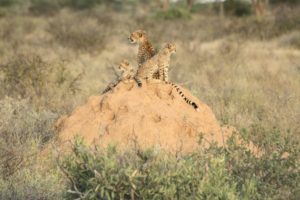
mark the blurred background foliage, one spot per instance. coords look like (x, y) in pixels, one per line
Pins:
(228, 7)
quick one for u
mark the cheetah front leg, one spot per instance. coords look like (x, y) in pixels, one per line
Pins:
(138, 81)
(161, 74)
(166, 74)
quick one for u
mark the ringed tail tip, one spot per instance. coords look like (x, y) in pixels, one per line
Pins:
(195, 106)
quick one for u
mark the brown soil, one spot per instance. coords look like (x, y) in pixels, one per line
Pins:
(151, 116)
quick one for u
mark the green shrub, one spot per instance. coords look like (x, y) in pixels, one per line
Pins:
(45, 7)
(81, 4)
(7, 2)
(175, 12)
(215, 173)
(143, 175)
(238, 8)
(274, 172)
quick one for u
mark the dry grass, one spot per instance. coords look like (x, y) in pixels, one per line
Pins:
(23, 133)
(246, 73)
(244, 79)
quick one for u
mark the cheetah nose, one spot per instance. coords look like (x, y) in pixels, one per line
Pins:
(130, 39)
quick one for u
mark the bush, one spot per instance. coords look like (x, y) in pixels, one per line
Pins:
(52, 6)
(143, 175)
(290, 40)
(45, 7)
(23, 133)
(285, 21)
(7, 2)
(286, 1)
(84, 35)
(174, 13)
(275, 171)
(43, 84)
(238, 8)
(295, 42)
(13, 29)
(81, 4)
(32, 183)
(215, 173)
(20, 127)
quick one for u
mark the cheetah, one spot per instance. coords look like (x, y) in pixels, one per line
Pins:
(160, 62)
(187, 100)
(126, 70)
(146, 50)
(127, 73)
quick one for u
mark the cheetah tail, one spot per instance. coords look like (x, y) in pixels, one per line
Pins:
(110, 87)
(138, 81)
(188, 101)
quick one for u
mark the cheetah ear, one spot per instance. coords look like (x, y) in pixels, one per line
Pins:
(171, 46)
(141, 34)
(126, 62)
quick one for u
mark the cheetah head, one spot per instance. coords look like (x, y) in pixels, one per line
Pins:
(170, 48)
(137, 36)
(124, 65)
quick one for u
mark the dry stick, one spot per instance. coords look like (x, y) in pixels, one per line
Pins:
(57, 159)
(115, 72)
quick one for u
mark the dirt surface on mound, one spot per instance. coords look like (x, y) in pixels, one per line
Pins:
(154, 115)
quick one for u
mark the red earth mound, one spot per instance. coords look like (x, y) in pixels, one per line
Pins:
(153, 115)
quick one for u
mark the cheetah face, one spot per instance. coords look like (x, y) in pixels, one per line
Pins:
(137, 36)
(124, 65)
(171, 47)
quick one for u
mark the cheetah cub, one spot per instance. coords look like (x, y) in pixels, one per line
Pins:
(160, 62)
(126, 70)
(127, 73)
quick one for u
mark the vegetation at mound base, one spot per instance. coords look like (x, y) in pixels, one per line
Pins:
(55, 54)
(229, 173)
